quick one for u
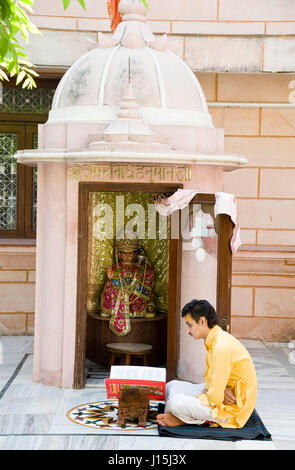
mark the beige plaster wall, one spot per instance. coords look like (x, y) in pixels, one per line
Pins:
(233, 35)
(263, 295)
(17, 289)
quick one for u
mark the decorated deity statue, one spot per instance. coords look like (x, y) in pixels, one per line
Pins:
(128, 288)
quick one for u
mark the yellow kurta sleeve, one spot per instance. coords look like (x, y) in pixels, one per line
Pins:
(220, 373)
(206, 379)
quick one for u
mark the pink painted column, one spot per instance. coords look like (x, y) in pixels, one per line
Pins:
(70, 300)
(198, 281)
(50, 273)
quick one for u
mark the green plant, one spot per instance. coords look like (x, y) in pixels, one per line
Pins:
(67, 2)
(14, 22)
(13, 60)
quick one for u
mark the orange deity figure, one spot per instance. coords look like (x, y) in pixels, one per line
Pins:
(113, 9)
(128, 288)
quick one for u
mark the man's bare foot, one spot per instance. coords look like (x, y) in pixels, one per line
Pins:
(160, 417)
(168, 419)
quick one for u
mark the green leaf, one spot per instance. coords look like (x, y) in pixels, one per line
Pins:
(31, 72)
(26, 83)
(6, 8)
(15, 21)
(21, 14)
(26, 5)
(13, 72)
(20, 77)
(145, 3)
(24, 32)
(33, 29)
(66, 3)
(25, 62)
(3, 75)
(82, 3)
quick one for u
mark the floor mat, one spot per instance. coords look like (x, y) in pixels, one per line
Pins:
(253, 429)
(102, 416)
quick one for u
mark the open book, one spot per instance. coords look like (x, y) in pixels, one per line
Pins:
(152, 379)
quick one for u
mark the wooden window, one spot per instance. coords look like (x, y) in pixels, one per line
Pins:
(20, 113)
(17, 181)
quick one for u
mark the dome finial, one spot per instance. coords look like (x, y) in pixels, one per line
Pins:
(128, 24)
(132, 10)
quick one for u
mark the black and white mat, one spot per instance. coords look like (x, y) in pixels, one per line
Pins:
(102, 416)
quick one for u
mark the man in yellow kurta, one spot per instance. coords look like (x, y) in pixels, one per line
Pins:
(229, 394)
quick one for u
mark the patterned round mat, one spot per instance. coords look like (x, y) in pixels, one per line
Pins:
(104, 414)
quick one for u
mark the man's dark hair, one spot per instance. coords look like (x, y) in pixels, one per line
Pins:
(201, 308)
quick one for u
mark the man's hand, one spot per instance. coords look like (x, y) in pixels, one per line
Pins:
(229, 397)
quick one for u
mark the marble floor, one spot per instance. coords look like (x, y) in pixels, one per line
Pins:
(33, 416)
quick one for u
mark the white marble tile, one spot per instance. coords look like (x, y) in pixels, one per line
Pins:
(270, 372)
(23, 379)
(34, 406)
(280, 428)
(9, 364)
(12, 359)
(255, 445)
(58, 442)
(265, 360)
(27, 367)
(252, 344)
(169, 443)
(276, 344)
(73, 398)
(80, 443)
(25, 424)
(284, 444)
(3, 382)
(17, 344)
(277, 400)
(281, 383)
(32, 390)
(95, 383)
(20, 442)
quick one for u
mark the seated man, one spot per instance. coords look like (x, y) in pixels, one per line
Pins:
(229, 394)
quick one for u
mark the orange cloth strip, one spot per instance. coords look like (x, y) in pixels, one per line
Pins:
(113, 9)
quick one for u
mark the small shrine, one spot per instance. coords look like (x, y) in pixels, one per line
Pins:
(132, 221)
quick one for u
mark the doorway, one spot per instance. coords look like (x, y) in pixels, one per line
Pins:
(92, 329)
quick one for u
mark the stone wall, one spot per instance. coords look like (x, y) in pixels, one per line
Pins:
(233, 35)
(263, 296)
(17, 289)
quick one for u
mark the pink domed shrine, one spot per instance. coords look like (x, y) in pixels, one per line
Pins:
(129, 152)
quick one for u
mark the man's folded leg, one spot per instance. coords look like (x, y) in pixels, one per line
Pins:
(184, 388)
(188, 409)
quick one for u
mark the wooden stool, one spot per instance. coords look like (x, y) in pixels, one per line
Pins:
(128, 350)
